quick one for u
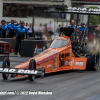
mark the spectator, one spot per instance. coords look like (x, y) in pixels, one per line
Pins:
(45, 31)
(40, 29)
(7, 23)
(27, 26)
(58, 29)
(11, 28)
(50, 28)
(29, 32)
(3, 29)
(0, 28)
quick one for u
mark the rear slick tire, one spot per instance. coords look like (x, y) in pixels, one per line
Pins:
(92, 63)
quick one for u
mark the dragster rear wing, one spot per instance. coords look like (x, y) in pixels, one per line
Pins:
(21, 71)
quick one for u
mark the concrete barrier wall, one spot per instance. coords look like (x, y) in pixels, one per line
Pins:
(30, 48)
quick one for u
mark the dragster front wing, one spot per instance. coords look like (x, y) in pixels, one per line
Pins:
(21, 71)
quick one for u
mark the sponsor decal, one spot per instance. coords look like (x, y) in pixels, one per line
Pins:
(40, 67)
(72, 62)
(67, 63)
(77, 63)
(18, 71)
(83, 9)
(48, 65)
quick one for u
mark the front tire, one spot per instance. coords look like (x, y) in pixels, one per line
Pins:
(32, 66)
(6, 64)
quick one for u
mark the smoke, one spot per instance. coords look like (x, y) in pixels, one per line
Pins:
(93, 46)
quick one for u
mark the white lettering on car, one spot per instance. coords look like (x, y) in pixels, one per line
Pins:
(27, 71)
(6, 70)
(12, 70)
(18, 71)
(48, 66)
(1, 69)
(34, 72)
(21, 71)
(77, 63)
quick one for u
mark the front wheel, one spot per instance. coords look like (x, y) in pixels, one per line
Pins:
(6, 64)
(32, 66)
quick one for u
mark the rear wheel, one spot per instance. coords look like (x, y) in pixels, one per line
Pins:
(32, 66)
(92, 63)
(6, 64)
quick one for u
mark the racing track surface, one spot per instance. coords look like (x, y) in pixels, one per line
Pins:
(67, 85)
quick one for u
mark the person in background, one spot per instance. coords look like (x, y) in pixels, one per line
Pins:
(40, 29)
(29, 32)
(73, 26)
(3, 29)
(7, 23)
(39, 33)
(11, 28)
(50, 28)
(20, 34)
(58, 29)
(82, 28)
(45, 32)
(0, 29)
(27, 26)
